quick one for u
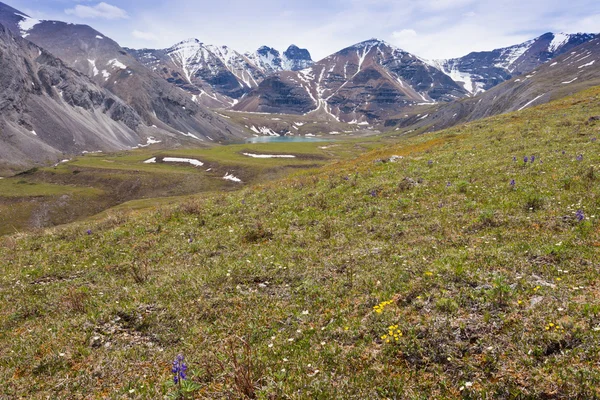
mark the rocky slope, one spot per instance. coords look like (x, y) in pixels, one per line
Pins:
(567, 74)
(158, 103)
(215, 75)
(480, 71)
(218, 76)
(48, 110)
(359, 84)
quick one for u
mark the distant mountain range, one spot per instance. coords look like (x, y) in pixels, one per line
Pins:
(67, 88)
(219, 76)
(480, 71)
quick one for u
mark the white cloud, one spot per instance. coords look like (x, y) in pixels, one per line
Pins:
(404, 34)
(470, 14)
(144, 35)
(100, 10)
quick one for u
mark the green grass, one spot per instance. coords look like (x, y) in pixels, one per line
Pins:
(494, 288)
(33, 199)
(22, 187)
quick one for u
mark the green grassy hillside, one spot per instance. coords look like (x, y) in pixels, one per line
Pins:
(428, 277)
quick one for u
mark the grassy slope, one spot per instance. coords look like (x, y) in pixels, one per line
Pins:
(93, 183)
(495, 290)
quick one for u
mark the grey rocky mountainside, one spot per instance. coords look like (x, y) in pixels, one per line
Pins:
(218, 76)
(48, 110)
(157, 102)
(480, 71)
(360, 84)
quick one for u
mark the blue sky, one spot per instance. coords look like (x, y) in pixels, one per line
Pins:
(428, 28)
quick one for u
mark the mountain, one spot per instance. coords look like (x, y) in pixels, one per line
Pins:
(359, 84)
(219, 76)
(564, 75)
(158, 102)
(480, 71)
(48, 109)
(216, 75)
(271, 61)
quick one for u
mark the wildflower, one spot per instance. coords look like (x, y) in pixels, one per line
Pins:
(178, 370)
(564, 152)
(512, 183)
(89, 231)
(373, 193)
(580, 157)
(525, 159)
(514, 158)
(380, 307)
(532, 159)
(448, 184)
(579, 215)
(430, 162)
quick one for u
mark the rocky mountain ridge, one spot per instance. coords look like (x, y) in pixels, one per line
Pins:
(359, 84)
(480, 71)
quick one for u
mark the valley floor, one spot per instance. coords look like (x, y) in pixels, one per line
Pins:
(454, 270)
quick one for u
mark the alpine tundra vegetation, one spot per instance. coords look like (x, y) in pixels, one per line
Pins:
(203, 221)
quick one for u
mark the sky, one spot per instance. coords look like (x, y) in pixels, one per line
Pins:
(431, 29)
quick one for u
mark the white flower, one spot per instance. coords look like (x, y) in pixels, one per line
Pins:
(468, 384)
(305, 312)
(322, 343)
(270, 345)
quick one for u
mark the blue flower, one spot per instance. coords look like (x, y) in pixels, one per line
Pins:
(178, 370)
(430, 162)
(448, 184)
(89, 231)
(525, 159)
(579, 215)
(512, 183)
(514, 158)
(580, 157)
(532, 158)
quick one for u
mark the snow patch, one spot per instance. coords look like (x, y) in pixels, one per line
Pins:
(150, 161)
(117, 64)
(269, 155)
(571, 81)
(194, 162)
(587, 65)
(99, 37)
(230, 177)
(27, 24)
(94, 68)
(559, 40)
(531, 102)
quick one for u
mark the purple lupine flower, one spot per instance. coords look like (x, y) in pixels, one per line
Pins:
(89, 231)
(580, 157)
(525, 159)
(532, 158)
(512, 183)
(579, 215)
(178, 370)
